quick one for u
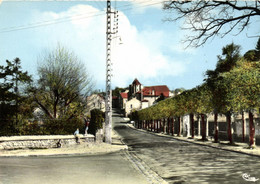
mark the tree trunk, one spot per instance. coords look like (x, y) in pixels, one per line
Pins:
(228, 117)
(207, 126)
(157, 125)
(154, 125)
(172, 120)
(168, 126)
(55, 106)
(160, 125)
(251, 129)
(216, 127)
(164, 126)
(203, 127)
(179, 123)
(199, 125)
(43, 108)
(243, 126)
(192, 125)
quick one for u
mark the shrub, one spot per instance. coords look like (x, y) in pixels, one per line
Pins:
(97, 118)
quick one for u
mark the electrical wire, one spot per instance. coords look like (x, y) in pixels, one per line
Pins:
(75, 17)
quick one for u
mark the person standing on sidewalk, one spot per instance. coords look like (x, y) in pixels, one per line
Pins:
(76, 134)
(86, 126)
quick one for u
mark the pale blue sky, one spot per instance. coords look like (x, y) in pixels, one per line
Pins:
(151, 49)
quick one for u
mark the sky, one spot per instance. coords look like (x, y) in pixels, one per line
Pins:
(146, 47)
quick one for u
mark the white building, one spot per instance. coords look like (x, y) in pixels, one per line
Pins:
(95, 101)
(140, 97)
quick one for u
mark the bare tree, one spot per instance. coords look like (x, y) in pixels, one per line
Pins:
(209, 18)
(63, 85)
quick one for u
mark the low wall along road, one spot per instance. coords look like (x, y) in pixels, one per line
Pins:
(42, 142)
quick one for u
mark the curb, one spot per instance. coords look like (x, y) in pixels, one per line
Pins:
(193, 142)
(151, 176)
(78, 151)
(59, 154)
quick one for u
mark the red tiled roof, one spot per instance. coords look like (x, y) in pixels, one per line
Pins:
(136, 82)
(158, 90)
(124, 95)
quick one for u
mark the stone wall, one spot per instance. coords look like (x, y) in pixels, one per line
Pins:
(42, 142)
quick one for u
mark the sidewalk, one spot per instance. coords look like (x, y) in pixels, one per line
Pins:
(87, 149)
(224, 145)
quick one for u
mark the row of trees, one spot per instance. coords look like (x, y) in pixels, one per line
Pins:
(56, 100)
(233, 87)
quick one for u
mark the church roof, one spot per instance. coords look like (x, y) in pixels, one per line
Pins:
(136, 82)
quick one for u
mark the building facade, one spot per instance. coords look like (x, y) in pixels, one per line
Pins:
(139, 97)
(95, 101)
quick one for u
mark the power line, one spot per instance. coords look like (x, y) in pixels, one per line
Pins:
(74, 17)
(47, 23)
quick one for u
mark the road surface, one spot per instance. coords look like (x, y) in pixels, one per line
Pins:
(107, 169)
(181, 162)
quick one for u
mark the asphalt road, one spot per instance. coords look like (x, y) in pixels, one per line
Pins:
(181, 162)
(112, 168)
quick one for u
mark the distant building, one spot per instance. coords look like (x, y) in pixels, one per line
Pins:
(140, 97)
(132, 105)
(95, 101)
(123, 98)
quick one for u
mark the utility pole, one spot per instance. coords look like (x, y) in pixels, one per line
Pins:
(109, 33)
(108, 104)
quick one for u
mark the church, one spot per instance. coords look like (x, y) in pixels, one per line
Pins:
(139, 97)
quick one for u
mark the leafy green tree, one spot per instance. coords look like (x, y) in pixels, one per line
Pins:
(253, 55)
(219, 89)
(62, 86)
(203, 106)
(12, 97)
(244, 91)
(117, 90)
(178, 91)
(230, 55)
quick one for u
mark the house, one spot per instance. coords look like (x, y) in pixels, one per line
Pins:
(140, 97)
(152, 93)
(132, 105)
(95, 101)
(123, 99)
